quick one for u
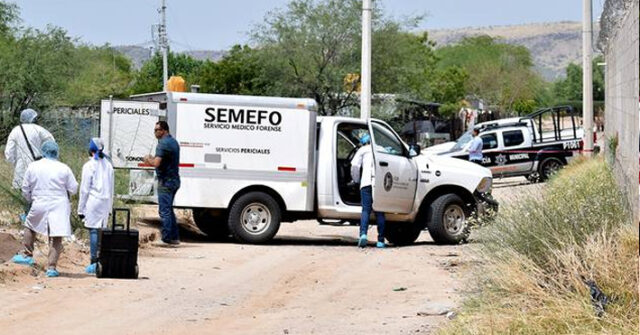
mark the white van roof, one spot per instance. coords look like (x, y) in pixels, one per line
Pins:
(243, 100)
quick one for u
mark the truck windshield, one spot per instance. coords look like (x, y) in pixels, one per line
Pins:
(463, 140)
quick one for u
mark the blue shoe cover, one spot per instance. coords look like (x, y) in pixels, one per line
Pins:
(91, 268)
(362, 242)
(23, 217)
(52, 273)
(380, 245)
(24, 260)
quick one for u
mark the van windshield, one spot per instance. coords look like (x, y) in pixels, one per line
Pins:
(463, 140)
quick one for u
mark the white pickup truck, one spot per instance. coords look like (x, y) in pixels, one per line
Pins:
(249, 163)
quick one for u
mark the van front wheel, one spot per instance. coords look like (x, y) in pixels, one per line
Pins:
(254, 218)
(448, 222)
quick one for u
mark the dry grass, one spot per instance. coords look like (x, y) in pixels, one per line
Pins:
(532, 260)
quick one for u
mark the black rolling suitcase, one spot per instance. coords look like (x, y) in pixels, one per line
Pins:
(118, 250)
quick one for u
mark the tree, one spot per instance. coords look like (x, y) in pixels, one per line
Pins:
(310, 48)
(448, 84)
(149, 78)
(99, 72)
(8, 17)
(570, 88)
(239, 72)
(36, 68)
(500, 74)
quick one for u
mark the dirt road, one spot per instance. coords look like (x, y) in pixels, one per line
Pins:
(310, 280)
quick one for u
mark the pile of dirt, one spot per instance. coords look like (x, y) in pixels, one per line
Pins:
(9, 246)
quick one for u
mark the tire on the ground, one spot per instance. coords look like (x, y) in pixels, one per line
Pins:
(546, 164)
(240, 218)
(402, 233)
(98, 270)
(216, 227)
(440, 231)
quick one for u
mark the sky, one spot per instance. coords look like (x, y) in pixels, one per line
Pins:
(219, 24)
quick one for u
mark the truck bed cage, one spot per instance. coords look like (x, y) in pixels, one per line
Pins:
(535, 123)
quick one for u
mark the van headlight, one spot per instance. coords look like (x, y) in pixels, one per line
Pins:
(485, 185)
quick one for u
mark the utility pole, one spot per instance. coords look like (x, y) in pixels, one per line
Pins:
(365, 77)
(587, 77)
(164, 44)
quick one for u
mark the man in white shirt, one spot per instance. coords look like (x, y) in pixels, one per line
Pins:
(364, 158)
(475, 148)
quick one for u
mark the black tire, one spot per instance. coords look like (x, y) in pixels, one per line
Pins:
(447, 222)
(254, 218)
(98, 270)
(533, 177)
(549, 167)
(214, 226)
(137, 272)
(402, 233)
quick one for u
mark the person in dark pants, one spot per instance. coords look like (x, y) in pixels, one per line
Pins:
(364, 159)
(475, 148)
(166, 162)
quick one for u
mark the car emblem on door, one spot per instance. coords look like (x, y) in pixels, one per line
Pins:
(388, 181)
(501, 159)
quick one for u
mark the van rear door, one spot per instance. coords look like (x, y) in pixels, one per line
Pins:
(396, 175)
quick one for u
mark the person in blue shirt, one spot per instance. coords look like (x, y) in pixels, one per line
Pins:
(475, 148)
(166, 161)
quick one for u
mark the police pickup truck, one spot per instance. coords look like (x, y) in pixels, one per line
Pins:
(249, 163)
(535, 146)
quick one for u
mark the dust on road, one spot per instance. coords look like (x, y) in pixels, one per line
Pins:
(310, 280)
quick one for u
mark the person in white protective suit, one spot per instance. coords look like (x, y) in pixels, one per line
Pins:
(23, 147)
(47, 185)
(96, 196)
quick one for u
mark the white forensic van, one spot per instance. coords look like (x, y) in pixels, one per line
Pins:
(249, 163)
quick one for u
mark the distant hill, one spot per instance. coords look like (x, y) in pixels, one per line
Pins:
(140, 55)
(552, 45)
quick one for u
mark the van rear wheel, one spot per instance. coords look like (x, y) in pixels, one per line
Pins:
(254, 218)
(215, 226)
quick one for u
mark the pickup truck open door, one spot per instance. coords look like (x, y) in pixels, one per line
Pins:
(396, 174)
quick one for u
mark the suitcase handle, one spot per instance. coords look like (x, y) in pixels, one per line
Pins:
(113, 218)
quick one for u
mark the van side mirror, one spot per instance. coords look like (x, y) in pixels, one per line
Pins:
(414, 150)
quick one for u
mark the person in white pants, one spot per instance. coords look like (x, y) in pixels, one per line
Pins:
(47, 185)
(96, 196)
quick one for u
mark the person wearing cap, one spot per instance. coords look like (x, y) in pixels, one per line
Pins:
(96, 196)
(23, 147)
(364, 159)
(47, 185)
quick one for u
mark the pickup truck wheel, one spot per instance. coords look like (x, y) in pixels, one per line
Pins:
(402, 233)
(448, 220)
(549, 167)
(215, 227)
(254, 218)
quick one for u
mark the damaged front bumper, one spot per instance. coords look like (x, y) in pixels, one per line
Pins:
(485, 204)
